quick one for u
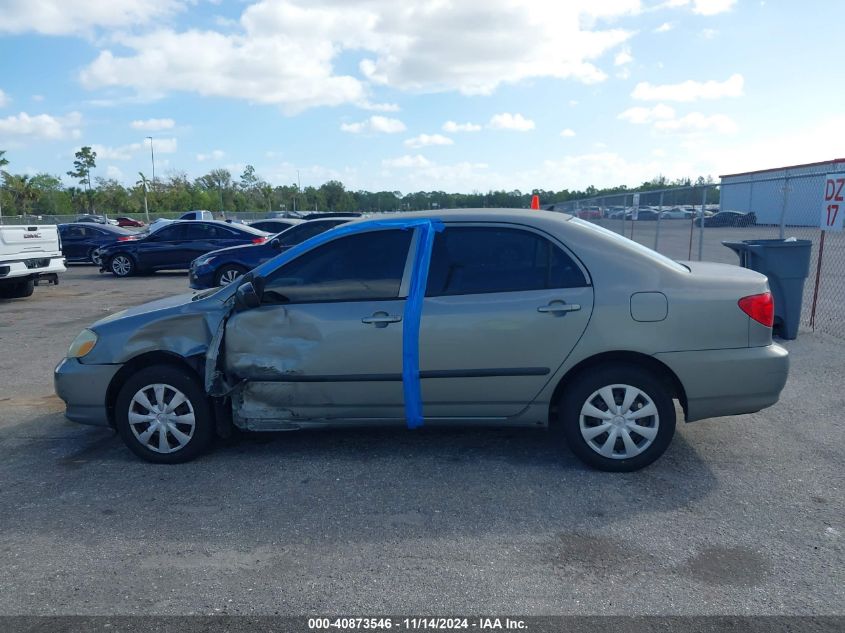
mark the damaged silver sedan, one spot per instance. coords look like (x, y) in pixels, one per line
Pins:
(494, 317)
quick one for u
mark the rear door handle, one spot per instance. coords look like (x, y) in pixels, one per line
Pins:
(559, 306)
(381, 319)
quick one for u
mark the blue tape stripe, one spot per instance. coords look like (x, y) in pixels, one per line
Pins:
(413, 305)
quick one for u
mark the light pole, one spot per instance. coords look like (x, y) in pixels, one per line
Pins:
(153, 159)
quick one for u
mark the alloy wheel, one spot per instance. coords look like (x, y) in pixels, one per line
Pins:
(121, 265)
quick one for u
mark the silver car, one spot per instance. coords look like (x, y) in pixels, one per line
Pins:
(496, 317)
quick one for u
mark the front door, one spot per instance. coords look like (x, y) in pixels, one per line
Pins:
(326, 343)
(504, 307)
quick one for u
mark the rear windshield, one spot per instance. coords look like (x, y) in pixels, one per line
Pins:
(644, 250)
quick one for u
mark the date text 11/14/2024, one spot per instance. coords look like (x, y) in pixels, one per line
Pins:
(416, 623)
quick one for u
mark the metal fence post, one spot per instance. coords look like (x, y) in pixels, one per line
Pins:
(701, 228)
(659, 213)
(785, 190)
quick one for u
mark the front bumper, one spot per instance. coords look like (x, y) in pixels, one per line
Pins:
(83, 389)
(729, 381)
(201, 277)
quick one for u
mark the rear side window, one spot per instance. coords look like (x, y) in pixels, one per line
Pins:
(360, 267)
(476, 260)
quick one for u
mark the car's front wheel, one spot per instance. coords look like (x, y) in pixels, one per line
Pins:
(122, 265)
(227, 274)
(618, 417)
(163, 415)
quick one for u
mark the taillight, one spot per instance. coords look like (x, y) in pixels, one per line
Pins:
(259, 240)
(760, 307)
(127, 238)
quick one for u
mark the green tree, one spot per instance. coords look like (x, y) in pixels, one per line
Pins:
(86, 161)
(22, 190)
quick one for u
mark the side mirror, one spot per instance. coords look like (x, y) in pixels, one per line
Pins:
(276, 243)
(247, 296)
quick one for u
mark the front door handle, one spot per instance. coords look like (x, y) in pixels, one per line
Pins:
(381, 319)
(559, 307)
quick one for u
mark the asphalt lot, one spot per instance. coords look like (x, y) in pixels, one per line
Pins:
(741, 515)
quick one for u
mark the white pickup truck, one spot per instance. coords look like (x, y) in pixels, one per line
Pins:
(29, 255)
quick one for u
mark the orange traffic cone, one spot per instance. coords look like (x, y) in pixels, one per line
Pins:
(535, 201)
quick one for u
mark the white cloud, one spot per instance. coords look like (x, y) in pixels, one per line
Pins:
(424, 140)
(451, 126)
(709, 34)
(126, 152)
(663, 28)
(284, 51)
(567, 133)
(378, 107)
(63, 17)
(114, 173)
(640, 115)
(623, 57)
(4, 99)
(690, 90)
(38, 98)
(698, 122)
(153, 125)
(701, 7)
(508, 121)
(215, 154)
(375, 123)
(407, 161)
(41, 126)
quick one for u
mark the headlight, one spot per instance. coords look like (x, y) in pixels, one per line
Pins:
(82, 344)
(203, 261)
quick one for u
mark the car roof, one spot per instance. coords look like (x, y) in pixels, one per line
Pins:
(243, 227)
(473, 215)
(105, 227)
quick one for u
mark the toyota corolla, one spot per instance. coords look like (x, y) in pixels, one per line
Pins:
(506, 317)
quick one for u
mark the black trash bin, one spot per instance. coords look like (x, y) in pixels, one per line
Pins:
(787, 264)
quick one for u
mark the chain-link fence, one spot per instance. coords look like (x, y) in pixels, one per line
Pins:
(690, 223)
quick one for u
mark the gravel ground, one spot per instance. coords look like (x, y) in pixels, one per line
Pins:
(741, 516)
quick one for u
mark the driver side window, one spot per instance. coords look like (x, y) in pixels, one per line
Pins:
(363, 267)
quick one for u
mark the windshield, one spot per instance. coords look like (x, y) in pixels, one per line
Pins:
(644, 250)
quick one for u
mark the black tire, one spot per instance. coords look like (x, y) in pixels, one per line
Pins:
(18, 290)
(91, 258)
(177, 379)
(589, 383)
(122, 265)
(227, 269)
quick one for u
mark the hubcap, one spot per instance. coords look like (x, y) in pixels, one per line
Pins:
(161, 418)
(619, 421)
(121, 265)
(228, 276)
(95, 257)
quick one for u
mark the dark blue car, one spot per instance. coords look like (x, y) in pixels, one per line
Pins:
(219, 268)
(80, 240)
(174, 246)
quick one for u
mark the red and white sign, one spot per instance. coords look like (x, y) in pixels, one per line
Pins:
(833, 209)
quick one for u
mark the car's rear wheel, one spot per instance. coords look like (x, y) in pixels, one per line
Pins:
(227, 274)
(94, 256)
(18, 290)
(122, 265)
(164, 416)
(618, 417)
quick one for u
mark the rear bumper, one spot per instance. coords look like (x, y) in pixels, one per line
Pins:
(729, 381)
(14, 271)
(83, 389)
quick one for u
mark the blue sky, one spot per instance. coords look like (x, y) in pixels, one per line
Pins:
(539, 93)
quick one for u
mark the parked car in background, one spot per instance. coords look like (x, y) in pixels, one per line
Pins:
(276, 225)
(197, 215)
(96, 219)
(677, 214)
(129, 222)
(222, 267)
(644, 214)
(527, 319)
(590, 213)
(728, 218)
(174, 246)
(331, 214)
(81, 241)
(28, 256)
(271, 215)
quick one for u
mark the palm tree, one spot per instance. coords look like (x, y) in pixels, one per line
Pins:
(22, 189)
(3, 162)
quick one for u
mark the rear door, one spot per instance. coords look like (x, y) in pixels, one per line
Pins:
(326, 343)
(504, 306)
